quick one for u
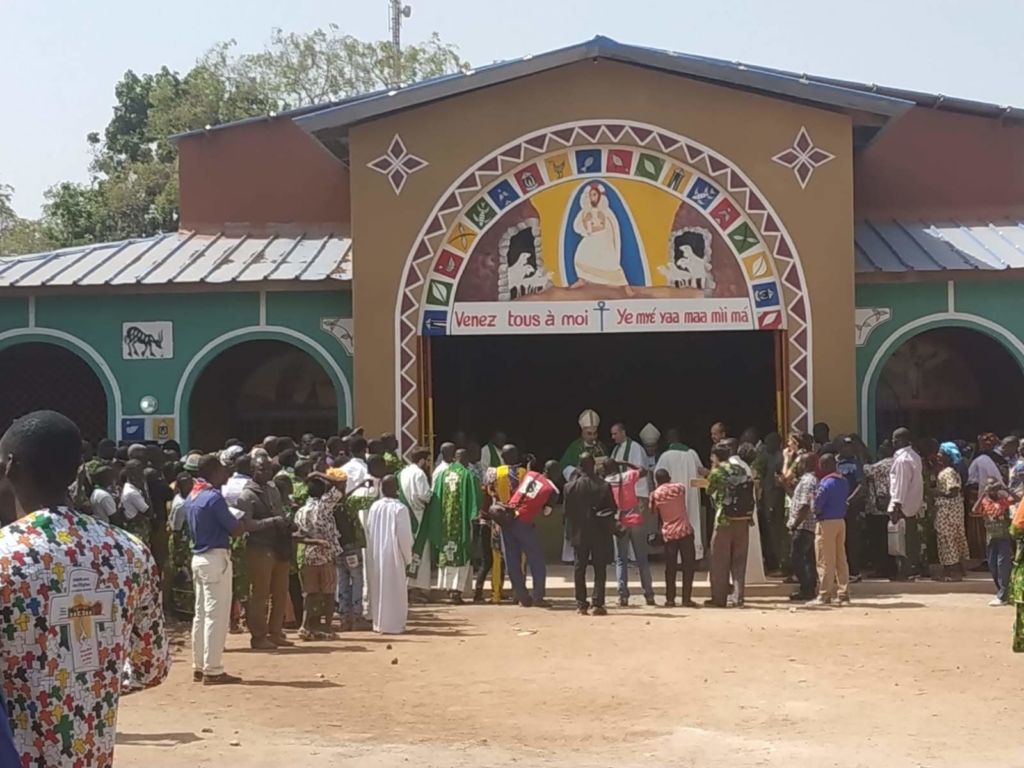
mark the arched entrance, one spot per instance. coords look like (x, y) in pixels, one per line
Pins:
(499, 253)
(257, 388)
(949, 382)
(39, 375)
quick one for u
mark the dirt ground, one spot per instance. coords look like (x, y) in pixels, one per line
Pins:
(912, 680)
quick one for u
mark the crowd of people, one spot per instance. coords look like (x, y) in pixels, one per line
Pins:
(328, 535)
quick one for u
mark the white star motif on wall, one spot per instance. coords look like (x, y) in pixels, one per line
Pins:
(397, 164)
(803, 157)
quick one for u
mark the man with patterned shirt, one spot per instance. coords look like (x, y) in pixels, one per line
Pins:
(88, 606)
(801, 529)
(320, 561)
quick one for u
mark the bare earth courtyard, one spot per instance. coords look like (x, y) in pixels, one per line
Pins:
(903, 680)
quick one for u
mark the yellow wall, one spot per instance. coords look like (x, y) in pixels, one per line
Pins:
(455, 134)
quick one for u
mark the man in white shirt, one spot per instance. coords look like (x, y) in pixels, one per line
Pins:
(355, 468)
(906, 490)
(416, 492)
(631, 452)
(133, 500)
(104, 505)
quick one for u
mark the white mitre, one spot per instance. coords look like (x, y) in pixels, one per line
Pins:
(589, 419)
(649, 435)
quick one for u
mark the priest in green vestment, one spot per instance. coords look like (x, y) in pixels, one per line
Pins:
(587, 442)
(447, 524)
(490, 454)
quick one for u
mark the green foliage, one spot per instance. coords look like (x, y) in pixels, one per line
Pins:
(133, 191)
(18, 235)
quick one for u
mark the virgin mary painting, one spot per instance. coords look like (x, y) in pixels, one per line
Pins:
(600, 246)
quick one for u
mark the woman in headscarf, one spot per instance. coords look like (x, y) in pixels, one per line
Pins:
(985, 466)
(950, 532)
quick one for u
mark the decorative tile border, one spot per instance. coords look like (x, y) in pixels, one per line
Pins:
(442, 229)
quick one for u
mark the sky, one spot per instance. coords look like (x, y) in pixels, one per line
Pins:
(60, 59)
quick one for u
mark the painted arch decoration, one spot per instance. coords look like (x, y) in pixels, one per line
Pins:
(596, 227)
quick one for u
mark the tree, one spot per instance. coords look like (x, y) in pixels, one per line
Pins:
(18, 235)
(134, 187)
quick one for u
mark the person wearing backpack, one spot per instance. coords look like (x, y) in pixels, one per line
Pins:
(830, 533)
(731, 489)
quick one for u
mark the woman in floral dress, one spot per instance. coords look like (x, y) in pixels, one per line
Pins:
(950, 533)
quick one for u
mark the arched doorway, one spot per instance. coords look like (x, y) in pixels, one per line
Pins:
(950, 382)
(38, 375)
(258, 388)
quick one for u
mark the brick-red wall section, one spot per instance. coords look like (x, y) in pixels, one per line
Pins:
(260, 174)
(939, 166)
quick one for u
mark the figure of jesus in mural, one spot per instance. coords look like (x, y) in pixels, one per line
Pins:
(598, 256)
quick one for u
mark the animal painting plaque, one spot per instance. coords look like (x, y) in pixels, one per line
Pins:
(151, 340)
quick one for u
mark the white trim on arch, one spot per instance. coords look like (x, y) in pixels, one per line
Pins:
(654, 129)
(95, 356)
(255, 330)
(901, 334)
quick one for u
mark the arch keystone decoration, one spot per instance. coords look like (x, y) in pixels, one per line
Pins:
(579, 178)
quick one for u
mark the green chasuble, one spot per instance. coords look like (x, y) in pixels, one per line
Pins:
(571, 457)
(447, 521)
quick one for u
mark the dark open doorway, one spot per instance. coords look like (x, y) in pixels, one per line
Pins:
(950, 383)
(260, 388)
(37, 376)
(534, 387)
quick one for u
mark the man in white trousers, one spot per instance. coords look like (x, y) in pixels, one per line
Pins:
(388, 555)
(415, 491)
(212, 525)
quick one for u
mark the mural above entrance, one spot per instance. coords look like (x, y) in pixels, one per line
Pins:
(601, 238)
(472, 250)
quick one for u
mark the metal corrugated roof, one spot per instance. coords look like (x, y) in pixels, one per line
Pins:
(900, 246)
(184, 257)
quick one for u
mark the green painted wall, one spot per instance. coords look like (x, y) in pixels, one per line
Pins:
(993, 308)
(204, 325)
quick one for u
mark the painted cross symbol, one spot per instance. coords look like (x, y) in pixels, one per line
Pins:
(79, 608)
(602, 307)
(65, 728)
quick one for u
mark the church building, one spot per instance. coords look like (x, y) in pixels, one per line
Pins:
(660, 237)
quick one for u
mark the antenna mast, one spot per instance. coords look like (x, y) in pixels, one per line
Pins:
(397, 13)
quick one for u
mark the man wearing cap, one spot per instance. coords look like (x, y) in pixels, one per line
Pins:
(587, 442)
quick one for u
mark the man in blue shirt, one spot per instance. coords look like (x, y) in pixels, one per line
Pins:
(830, 533)
(850, 466)
(212, 525)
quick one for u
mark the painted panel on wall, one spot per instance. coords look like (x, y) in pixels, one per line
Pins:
(602, 238)
(147, 341)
